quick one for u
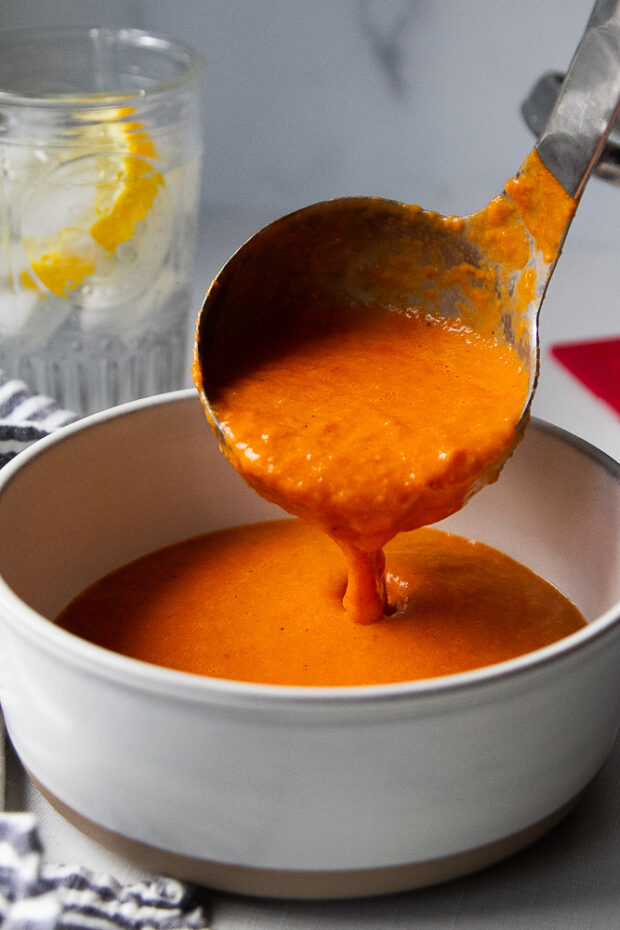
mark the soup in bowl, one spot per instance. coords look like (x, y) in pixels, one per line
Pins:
(293, 790)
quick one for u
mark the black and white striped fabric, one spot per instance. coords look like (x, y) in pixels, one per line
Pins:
(38, 896)
(25, 417)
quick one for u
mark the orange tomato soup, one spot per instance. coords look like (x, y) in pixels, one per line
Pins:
(263, 603)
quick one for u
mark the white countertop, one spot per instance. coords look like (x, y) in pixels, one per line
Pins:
(569, 880)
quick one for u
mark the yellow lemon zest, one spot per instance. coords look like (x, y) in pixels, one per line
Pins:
(124, 202)
(27, 282)
(62, 271)
(125, 190)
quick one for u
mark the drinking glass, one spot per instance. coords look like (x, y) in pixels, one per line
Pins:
(100, 159)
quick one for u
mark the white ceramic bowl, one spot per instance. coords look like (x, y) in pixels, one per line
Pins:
(294, 791)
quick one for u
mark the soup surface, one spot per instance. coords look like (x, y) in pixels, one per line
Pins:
(263, 603)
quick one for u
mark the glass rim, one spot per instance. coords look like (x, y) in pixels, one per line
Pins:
(130, 37)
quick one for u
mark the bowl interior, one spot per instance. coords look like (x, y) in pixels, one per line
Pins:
(126, 482)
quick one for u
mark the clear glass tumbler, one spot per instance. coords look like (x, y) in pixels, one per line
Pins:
(100, 157)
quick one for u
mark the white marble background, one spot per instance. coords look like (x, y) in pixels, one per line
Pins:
(413, 99)
(418, 100)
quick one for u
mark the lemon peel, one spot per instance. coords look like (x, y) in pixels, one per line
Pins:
(27, 282)
(124, 204)
(125, 190)
(62, 271)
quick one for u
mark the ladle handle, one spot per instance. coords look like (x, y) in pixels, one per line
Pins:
(588, 103)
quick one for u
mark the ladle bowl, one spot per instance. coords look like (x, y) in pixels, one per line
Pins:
(362, 250)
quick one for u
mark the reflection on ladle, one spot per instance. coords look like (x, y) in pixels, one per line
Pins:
(490, 270)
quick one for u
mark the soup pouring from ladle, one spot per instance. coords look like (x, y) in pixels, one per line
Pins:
(487, 272)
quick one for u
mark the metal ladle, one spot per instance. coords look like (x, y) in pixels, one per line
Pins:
(537, 107)
(356, 250)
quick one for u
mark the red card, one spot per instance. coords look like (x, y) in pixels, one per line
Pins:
(596, 364)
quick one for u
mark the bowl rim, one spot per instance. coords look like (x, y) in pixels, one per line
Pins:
(135, 673)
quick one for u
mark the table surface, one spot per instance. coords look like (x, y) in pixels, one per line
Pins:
(571, 878)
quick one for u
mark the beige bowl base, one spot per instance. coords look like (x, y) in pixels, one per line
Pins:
(308, 885)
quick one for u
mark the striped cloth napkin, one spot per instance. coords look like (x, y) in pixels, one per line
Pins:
(34, 894)
(25, 417)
